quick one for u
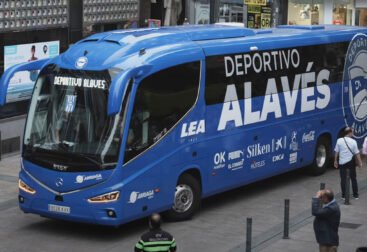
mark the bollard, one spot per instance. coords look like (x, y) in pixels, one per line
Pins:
(248, 234)
(347, 188)
(286, 219)
(322, 186)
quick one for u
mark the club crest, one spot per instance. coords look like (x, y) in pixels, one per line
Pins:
(355, 86)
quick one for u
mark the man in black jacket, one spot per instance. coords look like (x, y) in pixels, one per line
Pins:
(327, 219)
(156, 240)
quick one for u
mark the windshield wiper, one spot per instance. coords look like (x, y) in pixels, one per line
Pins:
(99, 164)
(63, 148)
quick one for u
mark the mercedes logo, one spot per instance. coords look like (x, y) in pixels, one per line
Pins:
(59, 182)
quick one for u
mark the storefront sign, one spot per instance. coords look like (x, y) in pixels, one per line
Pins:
(265, 20)
(201, 13)
(265, 17)
(153, 23)
(255, 2)
(254, 9)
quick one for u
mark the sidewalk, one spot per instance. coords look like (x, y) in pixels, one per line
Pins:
(352, 230)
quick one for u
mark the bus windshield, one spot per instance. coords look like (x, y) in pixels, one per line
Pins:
(68, 128)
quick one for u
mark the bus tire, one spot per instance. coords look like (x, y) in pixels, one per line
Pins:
(321, 158)
(187, 198)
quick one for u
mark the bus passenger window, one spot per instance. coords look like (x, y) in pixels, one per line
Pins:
(162, 99)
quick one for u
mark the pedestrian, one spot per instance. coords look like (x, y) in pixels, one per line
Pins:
(327, 219)
(156, 239)
(346, 150)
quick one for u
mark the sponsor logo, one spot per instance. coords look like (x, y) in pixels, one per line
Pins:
(293, 158)
(257, 164)
(259, 149)
(238, 157)
(308, 137)
(193, 128)
(235, 154)
(277, 158)
(81, 62)
(236, 165)
(60, 167)
(59, 182)
(279, 144)
(354, 86)
(81, 178)
(219, 160)
(134, 196)
(293, 146)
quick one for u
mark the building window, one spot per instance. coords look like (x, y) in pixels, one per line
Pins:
(342, 12)
(305, 12)
(361, 17)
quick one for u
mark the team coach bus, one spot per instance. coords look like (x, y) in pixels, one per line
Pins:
(126, 123)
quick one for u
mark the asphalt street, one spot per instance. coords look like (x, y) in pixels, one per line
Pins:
(219, 226)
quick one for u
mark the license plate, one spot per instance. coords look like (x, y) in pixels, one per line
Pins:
(58, 209)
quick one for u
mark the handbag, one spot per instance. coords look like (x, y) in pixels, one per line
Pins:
(354, 160)
(364, 149)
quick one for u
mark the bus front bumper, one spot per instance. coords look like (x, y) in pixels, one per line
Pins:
(101, 214)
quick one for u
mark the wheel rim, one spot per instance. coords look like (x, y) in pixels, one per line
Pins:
(321, 156)
(184, 198)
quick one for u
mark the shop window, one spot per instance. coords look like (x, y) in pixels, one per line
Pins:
(342, 13)
(305, 13)
(361, 17)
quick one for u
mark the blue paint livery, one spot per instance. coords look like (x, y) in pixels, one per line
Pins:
(147, 183)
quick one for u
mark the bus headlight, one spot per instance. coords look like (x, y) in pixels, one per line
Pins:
(104, 198)
(24, 187)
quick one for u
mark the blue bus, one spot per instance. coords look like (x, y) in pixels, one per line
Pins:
(126, 123)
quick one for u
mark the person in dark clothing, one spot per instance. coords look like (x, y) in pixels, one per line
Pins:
(156, 239)
(327, 219)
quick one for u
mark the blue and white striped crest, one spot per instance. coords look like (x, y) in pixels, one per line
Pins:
(70, 103)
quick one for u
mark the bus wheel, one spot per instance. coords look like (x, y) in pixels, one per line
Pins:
(187, 198)
(322, 157)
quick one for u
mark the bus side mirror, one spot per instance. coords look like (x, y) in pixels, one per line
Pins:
(119, 87)
(9, 73)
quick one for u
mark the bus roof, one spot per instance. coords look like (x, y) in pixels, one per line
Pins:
(178, 44)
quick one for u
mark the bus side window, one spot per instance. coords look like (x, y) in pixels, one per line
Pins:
(162, 99)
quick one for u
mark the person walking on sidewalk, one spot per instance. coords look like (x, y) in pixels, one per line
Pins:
(345, 150)
(156, 239)
(327, 219)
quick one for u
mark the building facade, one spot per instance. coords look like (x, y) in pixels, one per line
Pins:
(308, 12)
(30, 22)
(269, 13)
